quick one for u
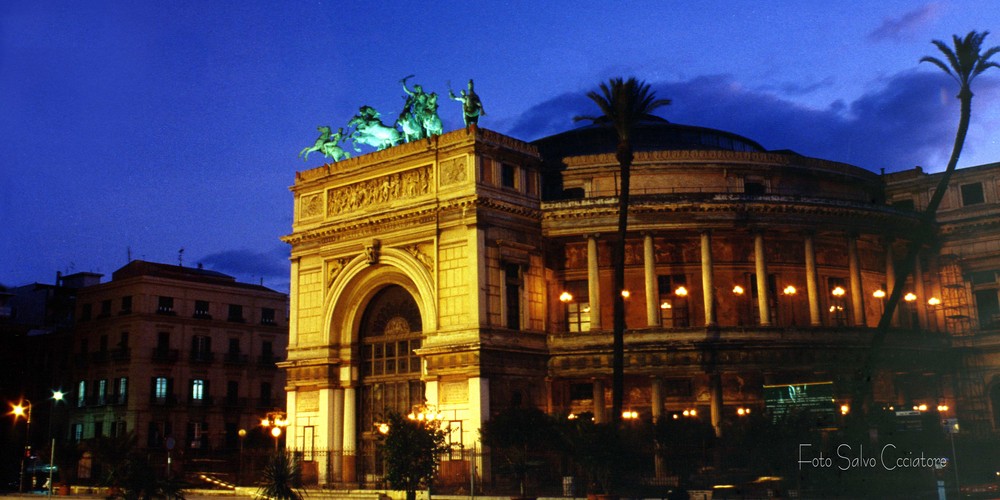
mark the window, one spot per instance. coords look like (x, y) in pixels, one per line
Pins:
(837, 291)
(98, 429)
(513, 290)
(165, 305)
(126, 304)
(988, 308)
(904, 204)
(119, 428)
(267, 316)
(103, 346)
(105, 308)
(972, 194)
(578, 307)
(236, 313)
(267, 352)
(102, 392)
(161, 387)
(201, 348)
(674, 311)
(121, 390)
(754, 188)
(198, 390)
(201, 309)
(232, 393)
(265, 394)
(508, 176)
(77, 433)
(86, 312)
(81, 394)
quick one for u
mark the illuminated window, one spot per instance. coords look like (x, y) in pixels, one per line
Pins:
(197, 389)
(673, 301)
(161, 386)
(165, 305)
(578, 307)
(201, 309)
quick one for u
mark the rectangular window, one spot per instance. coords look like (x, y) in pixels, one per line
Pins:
(265, 394)
(577, 306)
(972, 194)
(160, 388)
(197, 389)
(126, 304)
(105, 308)
(201, 309)
(81, 394)
(86, 312)
(837, 291)
(201, 348)
(98, 429)
(77, 433)
(266, 316)
(165, 305)
(988, 308)
(235, 313)
(122, 390)
(508, 176)
(513, 291)
(102, 392)
(674, 310)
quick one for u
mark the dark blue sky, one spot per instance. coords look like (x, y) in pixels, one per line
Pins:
(145, 127)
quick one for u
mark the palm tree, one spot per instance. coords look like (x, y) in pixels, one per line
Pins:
(964, 63)
(623, 103)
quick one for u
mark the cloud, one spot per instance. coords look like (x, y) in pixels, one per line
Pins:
(907, 120)
(250, 265)
(905, 26)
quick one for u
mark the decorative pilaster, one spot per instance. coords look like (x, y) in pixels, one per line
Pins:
(350, 436)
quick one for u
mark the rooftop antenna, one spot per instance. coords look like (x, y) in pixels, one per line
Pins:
(180, 257)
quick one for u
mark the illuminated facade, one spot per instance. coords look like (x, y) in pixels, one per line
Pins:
(470, 272)
(182, 357)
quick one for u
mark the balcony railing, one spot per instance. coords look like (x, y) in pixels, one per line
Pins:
(236, 358)
(202, 356)
(165, 355)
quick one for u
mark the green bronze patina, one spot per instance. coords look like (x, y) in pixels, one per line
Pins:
(328, 144)
(418, 120)
(472, 107)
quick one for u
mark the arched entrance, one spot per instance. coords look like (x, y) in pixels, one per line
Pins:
(389, 370)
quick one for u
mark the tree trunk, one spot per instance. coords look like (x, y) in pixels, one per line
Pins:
(624, 156)
(924, 235)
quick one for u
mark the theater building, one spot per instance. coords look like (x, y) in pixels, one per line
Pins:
(470, 272)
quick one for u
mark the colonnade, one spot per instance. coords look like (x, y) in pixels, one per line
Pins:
(709, 299)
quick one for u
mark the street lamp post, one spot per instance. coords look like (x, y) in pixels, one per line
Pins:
(23, 409)
(57, 396)
(277, 421)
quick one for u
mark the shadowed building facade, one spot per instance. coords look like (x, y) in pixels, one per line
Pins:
(471, 272)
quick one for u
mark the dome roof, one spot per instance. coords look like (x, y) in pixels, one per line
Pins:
(654, 134)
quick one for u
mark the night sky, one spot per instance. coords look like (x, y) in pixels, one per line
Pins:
(140, 128)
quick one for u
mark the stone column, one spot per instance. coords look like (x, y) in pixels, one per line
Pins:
(857, 289)
(593, 283)
(763, 304)
(715, 380)
(652, 291)
(350, 436)
(599, 409)
(292, 418)
(707, 284)
(327, 422)
(812, 282)
(337, 431)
